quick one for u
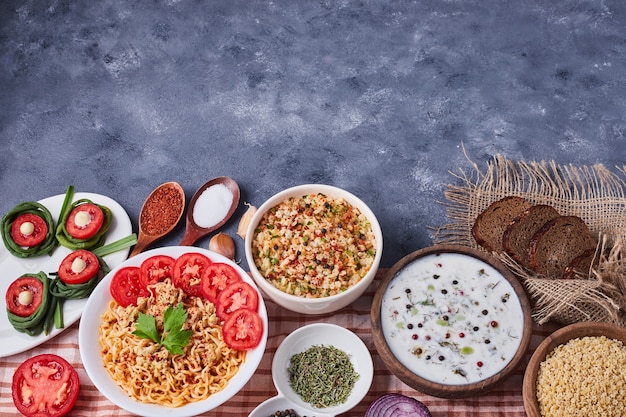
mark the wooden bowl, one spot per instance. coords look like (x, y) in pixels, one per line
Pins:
(453, 278)
(560, 337)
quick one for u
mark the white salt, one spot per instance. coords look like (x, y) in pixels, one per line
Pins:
(212, 206)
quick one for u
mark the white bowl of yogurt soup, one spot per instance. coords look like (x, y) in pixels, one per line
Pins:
(451, 321)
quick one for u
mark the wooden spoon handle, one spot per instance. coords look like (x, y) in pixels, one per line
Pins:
(191, 235)
(140, 246)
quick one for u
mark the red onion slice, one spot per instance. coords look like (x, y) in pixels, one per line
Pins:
(397, 405)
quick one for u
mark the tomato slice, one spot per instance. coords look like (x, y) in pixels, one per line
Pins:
(188, 271)
(126, 286)
(79, 267)
(156, 268)
(217, 277)
(45, 385)
(84, 221)
(32, 295)
(243, 329)
(29, 230)
(235, 297)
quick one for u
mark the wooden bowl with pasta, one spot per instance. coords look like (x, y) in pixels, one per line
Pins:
(577, 370)
(201, 391)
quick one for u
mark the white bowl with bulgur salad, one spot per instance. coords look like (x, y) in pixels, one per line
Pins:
(579, 370)
(313, 248)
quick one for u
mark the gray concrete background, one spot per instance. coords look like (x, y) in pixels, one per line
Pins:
(378, 97)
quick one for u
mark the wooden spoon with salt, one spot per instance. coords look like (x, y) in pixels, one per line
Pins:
(159, 214)
(210, 207)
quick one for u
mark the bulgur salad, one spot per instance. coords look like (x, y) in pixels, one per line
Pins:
(314, 245)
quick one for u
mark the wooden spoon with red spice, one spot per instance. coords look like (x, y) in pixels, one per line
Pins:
(159, 214)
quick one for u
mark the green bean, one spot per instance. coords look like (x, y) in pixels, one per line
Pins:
(322, 375)
(63, 290)
(84, 290)
(67, 240)
(35, 323)
(32, 207)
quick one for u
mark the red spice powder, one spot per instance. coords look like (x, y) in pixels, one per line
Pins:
(161, 210)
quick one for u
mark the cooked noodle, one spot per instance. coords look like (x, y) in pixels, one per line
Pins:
(153, 375)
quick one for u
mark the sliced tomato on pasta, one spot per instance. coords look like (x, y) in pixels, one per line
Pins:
(216, 278)
(126, 286)
(235, 297)
(156, 269)
(188, 271)
(243, 329)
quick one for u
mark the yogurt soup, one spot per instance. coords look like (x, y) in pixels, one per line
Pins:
(452, 319)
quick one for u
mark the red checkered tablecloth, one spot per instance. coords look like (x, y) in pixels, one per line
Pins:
(505, 400)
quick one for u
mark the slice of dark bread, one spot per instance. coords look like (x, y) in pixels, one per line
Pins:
(581, 264)
(557, 243)
(517, 235)
(493, 221)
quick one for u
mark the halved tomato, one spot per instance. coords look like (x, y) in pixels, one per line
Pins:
(28, 230)
(156, 268)
(243, 329)
(78, 267)
(24, 296)
(84, 221)
(126, 286)
(217, 277)
(188, 271)
(235, 297)
(45, 385)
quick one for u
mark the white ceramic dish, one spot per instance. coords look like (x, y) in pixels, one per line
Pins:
(92, 359)
(12, 267)
(279, 403)
(299, 341)
(313, 305)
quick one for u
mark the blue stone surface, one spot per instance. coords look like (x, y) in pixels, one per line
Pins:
(382, 98)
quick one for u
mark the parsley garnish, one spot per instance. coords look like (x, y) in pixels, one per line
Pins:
(174, 338)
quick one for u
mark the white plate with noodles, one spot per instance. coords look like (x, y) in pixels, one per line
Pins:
(90, 348)
(12, 267)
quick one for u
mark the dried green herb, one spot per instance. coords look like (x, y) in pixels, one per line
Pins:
(322, 375)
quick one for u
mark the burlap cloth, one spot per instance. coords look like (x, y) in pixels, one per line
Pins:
(593, 193)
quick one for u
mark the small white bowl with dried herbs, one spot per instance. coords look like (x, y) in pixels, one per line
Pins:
(309, 385)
